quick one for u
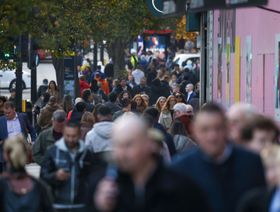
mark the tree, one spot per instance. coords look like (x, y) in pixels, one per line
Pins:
(120, 22)
(65, 24)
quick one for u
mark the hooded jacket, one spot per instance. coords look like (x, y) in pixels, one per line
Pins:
(99, 139)
(67, 194)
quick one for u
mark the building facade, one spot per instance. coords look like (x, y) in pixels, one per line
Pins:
(243, 57)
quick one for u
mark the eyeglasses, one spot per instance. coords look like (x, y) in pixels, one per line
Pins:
(179, 96)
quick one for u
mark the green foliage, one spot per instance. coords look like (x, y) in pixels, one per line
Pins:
(66, 24)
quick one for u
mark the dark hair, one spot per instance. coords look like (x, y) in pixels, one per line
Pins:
(113, 97)
(8, 105)
(104, 110)
(86, 94)
(212, 107)
(177, 128)
(46, 97)
(152, 111)
(149, 120)
(125, 102)
(259, 122)
(80, 107)
(3, 99)
(55, 86)
(72, 124)
(180, 94)
(122, 93)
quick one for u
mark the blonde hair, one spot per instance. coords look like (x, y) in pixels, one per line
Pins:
(157, 103)
(16, 151)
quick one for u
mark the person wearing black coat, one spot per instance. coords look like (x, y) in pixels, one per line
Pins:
(109, 70)
(158, 89)
(166, 90)
(223, 171)
(187, 76)
(142, 88)
(155, 91)
(78, 112)
(151, 75)
(258, 200)
(140, 181)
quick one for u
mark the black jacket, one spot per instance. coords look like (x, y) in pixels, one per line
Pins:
(141, 90)
(165, 191)
(224, 183)
(159, 89)
(258, 200)
(113, 107)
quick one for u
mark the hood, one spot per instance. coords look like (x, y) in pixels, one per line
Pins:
(60, 144)
(104, 129)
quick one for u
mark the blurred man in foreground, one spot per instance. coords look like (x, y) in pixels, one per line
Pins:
(225, 172)
(142, 182)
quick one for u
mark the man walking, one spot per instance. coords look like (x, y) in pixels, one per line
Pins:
(65, 169)
(49, 136)
(13, 124)
(99, 139)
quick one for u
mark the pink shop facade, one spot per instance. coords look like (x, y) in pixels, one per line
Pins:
(243, 49)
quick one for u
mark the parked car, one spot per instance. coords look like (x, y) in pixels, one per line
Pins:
(182, 59)
(8, 79)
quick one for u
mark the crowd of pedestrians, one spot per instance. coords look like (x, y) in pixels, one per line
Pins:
(138, 143)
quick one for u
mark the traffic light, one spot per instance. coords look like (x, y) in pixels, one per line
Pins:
(6, 56)
(32, 54)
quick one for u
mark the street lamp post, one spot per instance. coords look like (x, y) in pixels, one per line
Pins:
(19, 76)
(95, 52)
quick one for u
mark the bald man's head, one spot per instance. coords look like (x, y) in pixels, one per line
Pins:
(131, 145)
(238, 115)
(189, 87)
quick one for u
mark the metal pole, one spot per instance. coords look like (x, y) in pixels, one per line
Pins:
(19, 76)
(77, 86)
(33, 68)
(203, 75)
(95, 52)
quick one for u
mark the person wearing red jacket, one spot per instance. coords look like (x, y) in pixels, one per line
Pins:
(83, 84)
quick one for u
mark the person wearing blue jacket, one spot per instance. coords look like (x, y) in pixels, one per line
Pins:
(13, 124)
(65, 169)
(224, 172)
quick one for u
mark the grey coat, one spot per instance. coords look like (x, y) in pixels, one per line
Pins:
(183, 143)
